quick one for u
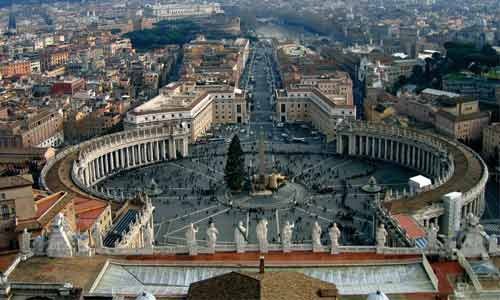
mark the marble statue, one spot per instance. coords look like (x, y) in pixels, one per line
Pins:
(191, 239)
(432, 242)
(475, 240)
(316, 237)
(39, 244)
(261, 230)
(25, 246)
(240, 237)
(148, 237)
(286, 236)
(97, 236)
(381, 236)
(334, 234)
(60, 238)
(82, 242)
(212, 234)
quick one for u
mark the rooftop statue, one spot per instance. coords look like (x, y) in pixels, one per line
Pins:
(381, 236)
(212, 234)
(261, 231)
(286, 235)
(240, 237)
(191, 239)
(474, 241)
(334, 234)
(316, 236)
(432, 234)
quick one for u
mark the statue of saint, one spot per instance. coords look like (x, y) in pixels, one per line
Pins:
(240, 237)
(381, 236)
(476, 240)
(148, 237)
(26, 242)
(334, 234)
(316, 235)
(432, 237)
(97, 235)
(191, 235)
(286, 234)
(39, 244)
(261, 230)
(83, 244)
(212, 234)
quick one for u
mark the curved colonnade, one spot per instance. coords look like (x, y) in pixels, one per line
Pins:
(106, 156)
(452, 166)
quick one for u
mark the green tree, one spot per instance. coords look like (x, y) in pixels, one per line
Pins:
(234, 173)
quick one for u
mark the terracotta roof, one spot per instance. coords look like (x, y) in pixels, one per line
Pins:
(6, 261)
(47, 208)
(413, 230)
(14, 181)
(43, 204)
(87, 212)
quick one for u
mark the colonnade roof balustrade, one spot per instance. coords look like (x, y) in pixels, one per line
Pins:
(469, 176)
(56, 175)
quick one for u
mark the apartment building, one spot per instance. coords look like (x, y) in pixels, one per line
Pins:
(40, 128)
(16, 68)
(308, 104)
(16, 201)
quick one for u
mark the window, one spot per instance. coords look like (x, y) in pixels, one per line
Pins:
(283, 108)
(5, 211)
(238, 108)
(2, 196)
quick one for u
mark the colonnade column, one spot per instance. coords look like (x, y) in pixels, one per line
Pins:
(165, 149)
(134, 161)
(91, 170)
(172, 151)
(112, 160)
(101, 167)
(352, 145)
(151, 152)
(185, 149)
(398, 151)
(158, 156)
(122, 158)
(379, 142)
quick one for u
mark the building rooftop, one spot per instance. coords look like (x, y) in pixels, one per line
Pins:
(87, 211)
(46, 209)
(435, 92)
(120, 228)
(11, 182)
(413, 230)
(268, 285)
(354, 274)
